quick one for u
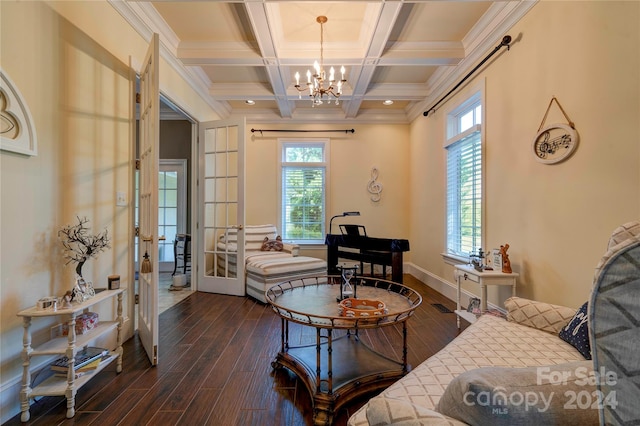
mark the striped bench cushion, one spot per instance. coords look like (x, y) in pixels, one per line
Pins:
(264, 271)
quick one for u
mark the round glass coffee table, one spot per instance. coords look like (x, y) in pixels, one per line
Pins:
(339, 368)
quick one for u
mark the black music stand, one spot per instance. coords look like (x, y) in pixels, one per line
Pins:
(353, 230)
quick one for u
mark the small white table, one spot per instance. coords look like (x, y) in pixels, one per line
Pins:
(485, 278)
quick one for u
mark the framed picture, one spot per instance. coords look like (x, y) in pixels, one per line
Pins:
(496, 259)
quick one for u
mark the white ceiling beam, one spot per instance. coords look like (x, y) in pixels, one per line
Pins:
(258, 17)
(386, 21)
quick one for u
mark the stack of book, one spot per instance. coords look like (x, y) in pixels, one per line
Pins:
(85, 361)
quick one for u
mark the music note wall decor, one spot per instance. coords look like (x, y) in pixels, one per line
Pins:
(374, 187)
(556, 142)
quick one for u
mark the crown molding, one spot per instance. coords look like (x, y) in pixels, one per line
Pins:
(481, 39)
(133, 12)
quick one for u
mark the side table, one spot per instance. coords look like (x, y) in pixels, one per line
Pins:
(483, 279)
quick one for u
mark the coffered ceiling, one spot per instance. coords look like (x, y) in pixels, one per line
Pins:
(409, 52)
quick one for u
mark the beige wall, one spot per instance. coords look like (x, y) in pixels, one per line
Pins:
(80, 97)
(556, 218)
(385, 147)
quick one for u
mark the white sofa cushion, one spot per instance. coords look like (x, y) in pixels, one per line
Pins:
(489, 342)
(387, 411)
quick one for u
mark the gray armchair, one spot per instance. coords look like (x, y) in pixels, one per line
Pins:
(614, 327)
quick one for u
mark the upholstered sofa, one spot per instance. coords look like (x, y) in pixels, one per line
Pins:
(531, 368)
(265, 264)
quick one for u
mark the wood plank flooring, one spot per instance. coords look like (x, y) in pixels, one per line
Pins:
(215, 368)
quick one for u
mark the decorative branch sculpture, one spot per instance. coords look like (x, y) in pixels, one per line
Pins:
(79, 246)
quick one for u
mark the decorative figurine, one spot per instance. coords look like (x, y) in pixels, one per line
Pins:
(66, 299)
(506, 263)
(477, 260)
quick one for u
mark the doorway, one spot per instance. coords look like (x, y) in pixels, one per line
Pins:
(174, 201)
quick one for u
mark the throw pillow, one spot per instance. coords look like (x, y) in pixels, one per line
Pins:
(576, 333)
(272, 245)
(548, 395)
(540, 315)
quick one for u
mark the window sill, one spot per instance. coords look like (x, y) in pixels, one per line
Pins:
(452, 259)
(307, 243)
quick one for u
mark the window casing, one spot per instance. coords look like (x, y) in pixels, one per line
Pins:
(303, 194)
(464, 179)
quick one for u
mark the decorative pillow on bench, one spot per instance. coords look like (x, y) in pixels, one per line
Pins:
(547, 395)
(272, 245)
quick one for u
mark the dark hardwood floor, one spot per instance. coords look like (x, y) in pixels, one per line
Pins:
(215, 357)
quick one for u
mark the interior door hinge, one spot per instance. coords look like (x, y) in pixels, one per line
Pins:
(137, 231)
(137, 164)
(137, 299)
(137, 98)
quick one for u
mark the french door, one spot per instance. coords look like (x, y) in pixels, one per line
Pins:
(221, 207)
(149, 142)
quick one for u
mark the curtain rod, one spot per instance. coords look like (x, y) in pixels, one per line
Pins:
(505, 42)
(301, 131)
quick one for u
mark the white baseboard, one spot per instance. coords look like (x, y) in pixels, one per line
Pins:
(442, 286)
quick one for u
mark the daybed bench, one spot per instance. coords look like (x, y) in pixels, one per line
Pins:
(265, 264)
(519, 371)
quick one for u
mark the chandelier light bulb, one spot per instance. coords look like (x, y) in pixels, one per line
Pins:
(297, 78)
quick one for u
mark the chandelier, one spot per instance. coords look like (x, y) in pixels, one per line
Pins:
(316, 82)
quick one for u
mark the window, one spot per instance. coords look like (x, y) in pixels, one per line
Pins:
(171, 208)
(464, 178)
(302, 190)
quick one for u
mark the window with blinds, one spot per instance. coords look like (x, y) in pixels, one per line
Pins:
(464, 179)
(303, 193)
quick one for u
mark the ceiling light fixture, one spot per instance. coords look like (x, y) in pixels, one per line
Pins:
(250, 102)
(388, 102)
(317, 87)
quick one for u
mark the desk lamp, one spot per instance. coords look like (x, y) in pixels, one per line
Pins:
(342, 215)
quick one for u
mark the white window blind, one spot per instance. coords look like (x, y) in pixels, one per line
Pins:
(303, 203)
(303, 190)
(464, 193)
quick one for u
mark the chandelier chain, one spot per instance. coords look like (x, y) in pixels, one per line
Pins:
(322, 47)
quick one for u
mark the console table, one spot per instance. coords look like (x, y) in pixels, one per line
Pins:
(336, 370)
(68, 345)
